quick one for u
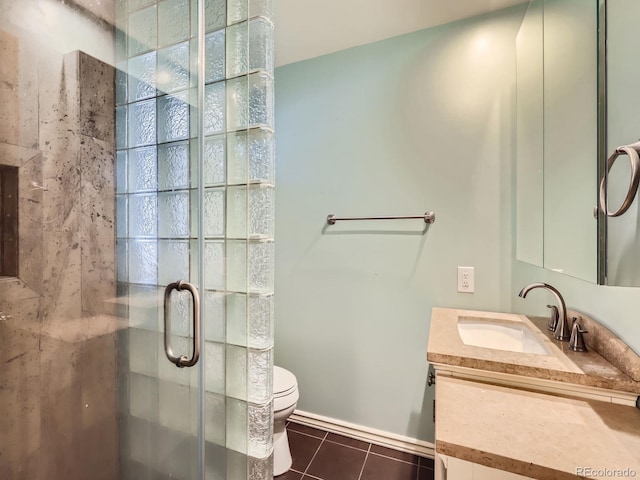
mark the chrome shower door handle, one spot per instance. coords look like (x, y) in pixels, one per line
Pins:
(633, 151)
(182, 361)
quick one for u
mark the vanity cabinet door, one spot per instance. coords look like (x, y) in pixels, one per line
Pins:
(457, 469)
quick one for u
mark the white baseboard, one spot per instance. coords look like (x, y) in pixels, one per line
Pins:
(370, 435)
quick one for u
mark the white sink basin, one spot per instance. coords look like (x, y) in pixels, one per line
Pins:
(499, 335)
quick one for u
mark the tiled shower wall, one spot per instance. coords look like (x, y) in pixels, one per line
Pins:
(57, 338)
(157, 202)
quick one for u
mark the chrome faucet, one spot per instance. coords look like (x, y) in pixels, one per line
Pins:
(561, 331)
(576, 342)
(553, 318)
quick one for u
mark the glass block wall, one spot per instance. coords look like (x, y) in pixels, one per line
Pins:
(213, 423)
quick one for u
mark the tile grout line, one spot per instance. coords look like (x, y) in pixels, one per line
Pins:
(362, 450)
(309, 435)
(314, 455)
(350, 446)
(369, 452)
(396, 459)
(366, 457)
(425, 466)
(308, 475)
(420, 467)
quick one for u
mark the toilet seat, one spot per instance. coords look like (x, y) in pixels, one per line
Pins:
(285, 389)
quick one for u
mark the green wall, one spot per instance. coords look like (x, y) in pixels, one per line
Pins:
(424, 121)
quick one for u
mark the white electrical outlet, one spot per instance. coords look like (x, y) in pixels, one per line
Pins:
(466, 282)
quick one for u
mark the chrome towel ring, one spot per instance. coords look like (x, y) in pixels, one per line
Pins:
(633, 151)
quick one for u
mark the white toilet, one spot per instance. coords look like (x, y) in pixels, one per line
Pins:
(285, 399)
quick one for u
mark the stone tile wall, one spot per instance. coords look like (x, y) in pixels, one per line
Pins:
(58, 355)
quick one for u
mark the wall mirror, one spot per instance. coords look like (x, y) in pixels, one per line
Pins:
(575, 106)
(620, 247)
(557, 130)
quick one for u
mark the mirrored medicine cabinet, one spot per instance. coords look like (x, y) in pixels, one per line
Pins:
(578, 100)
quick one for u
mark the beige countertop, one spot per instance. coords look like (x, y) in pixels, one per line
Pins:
(580, 368)
(534, 434)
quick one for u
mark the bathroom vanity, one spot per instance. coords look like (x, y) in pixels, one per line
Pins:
(513, 403)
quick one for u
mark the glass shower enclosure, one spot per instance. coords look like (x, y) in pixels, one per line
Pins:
(137, 203)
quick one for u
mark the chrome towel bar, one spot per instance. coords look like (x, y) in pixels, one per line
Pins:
(428, 217)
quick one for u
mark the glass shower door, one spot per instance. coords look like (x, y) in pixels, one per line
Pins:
(194, 138)
(157, 239)
(169, 198)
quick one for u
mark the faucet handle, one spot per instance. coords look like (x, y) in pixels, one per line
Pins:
(553, 318)
(576, 342)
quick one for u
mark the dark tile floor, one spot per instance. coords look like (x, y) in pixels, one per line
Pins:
(321, 455)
